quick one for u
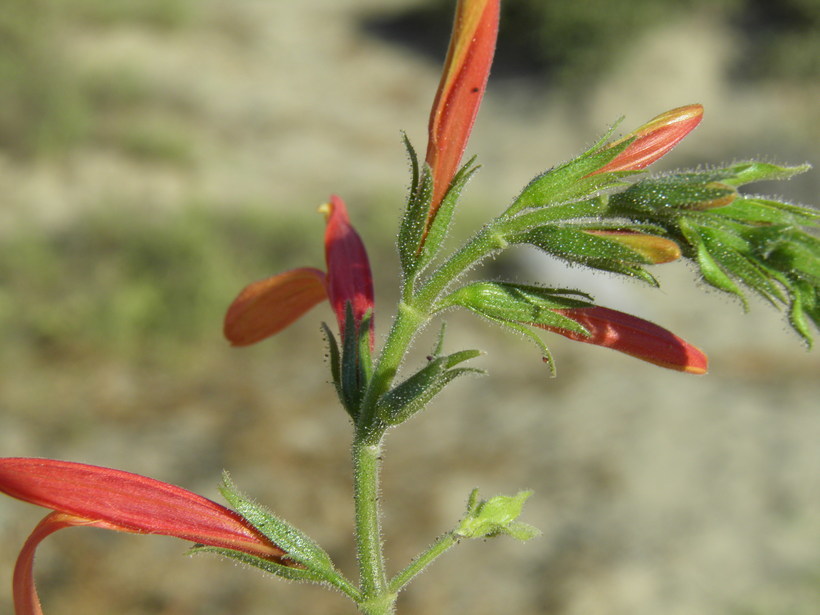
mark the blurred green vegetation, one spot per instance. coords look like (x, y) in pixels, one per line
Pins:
(575, 42)
(137, 287)
(48, 105)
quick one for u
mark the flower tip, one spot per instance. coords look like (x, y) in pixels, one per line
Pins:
(335, 202)
(698, 362)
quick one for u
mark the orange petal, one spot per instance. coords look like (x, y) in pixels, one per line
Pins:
(634, 336)
(460, 91)
(268, 306)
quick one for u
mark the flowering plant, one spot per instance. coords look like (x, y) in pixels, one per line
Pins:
(597, 210)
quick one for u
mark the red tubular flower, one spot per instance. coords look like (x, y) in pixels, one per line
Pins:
(460, 91)
(266, 307)
(654, 139)
(84, 495)
(633, 336)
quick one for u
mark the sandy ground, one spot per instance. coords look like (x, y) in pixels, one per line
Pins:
(656, 492)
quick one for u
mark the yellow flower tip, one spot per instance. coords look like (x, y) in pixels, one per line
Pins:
(680, 115)
(326, 209)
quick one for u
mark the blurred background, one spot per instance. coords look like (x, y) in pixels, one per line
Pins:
(158, 155)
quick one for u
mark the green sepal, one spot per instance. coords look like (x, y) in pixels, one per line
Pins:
(414, 220)
(334, 358)
(667, 196)
(519, 303)
(795, 253)
(709, 268)
(526, 220)
(572, 181)
(415, 393)
(440, 225)
(414, 162)
(517, 307)
(804, 306)
(754, 171)
(571, 243)
(497, 516)
(356, 362)
(312, 562)
(760, 211)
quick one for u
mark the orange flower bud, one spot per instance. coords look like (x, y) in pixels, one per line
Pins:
(654, 139)
(460, 91)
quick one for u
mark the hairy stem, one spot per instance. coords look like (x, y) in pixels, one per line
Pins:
(376, 597)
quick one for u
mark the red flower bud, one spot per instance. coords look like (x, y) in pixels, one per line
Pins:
(633, 336)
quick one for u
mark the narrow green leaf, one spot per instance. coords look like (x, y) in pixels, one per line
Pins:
(711, 271)
(299, 547)
(529, 219)
(414, 162)
(416, 392)
(740, 265)
(335, 364)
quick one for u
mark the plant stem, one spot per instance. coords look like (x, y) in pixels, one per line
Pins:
(440, 546)
(377, 599)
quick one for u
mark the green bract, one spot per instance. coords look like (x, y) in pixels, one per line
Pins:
(314, 563)
(496, 517)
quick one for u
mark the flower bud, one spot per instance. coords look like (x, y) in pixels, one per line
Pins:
(654, 139)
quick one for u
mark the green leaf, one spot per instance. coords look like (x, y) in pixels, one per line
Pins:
(496, 517)
(416, 392)
(314, 564)
(414, 220)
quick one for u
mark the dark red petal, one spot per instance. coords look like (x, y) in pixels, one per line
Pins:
(349, 279)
